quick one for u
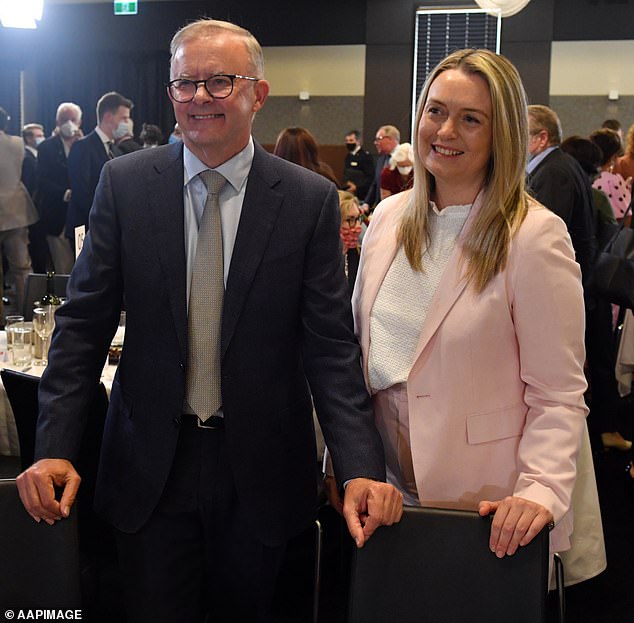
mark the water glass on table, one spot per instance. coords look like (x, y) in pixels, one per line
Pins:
(8, 321)
(21, 341)
(43, 324)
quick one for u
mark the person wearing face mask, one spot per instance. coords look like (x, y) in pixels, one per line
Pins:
(33, 135)
(53, 183)
(398, 175)
(89, 154)
(124, 137)
(358, 167)
(351, 227)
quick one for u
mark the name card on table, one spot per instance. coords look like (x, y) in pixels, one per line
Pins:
(80, 234)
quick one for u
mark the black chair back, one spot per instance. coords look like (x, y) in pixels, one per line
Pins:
(39, 564)
(35, 288)
(435, 565)
(22, 394)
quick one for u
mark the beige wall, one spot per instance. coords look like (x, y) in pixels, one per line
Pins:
(592, 67)
(321, 70)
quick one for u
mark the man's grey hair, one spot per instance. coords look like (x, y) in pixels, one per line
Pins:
(209, 27)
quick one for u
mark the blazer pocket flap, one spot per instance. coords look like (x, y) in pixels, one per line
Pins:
(495, 425)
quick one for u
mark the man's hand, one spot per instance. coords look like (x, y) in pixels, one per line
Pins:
(368, 504)
(516, 523)
(36, 486)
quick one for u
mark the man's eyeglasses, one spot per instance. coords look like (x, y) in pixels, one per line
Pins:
(219, 87)
(353, 220)
(378, 139)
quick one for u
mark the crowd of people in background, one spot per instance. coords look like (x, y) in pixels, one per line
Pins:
(60, 185)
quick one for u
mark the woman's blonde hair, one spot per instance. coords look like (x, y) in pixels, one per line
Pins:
(505, 202)
(347, 199)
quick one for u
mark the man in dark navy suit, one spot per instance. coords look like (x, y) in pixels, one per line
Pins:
(204, 503)
(90, 153)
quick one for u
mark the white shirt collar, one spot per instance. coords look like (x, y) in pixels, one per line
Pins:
(533, 163)
(235, 170)
(103, 136)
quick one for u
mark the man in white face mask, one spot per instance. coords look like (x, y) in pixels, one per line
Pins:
(54, 186)
(89, 154)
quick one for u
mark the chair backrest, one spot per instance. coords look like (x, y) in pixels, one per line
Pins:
(435, 565)
(22, 394)
(39, 564)
(35, 288)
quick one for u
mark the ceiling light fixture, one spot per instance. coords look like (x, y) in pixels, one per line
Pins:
(507, 7)
(21, 13)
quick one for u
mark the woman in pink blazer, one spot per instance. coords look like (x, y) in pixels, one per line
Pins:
(468, 306)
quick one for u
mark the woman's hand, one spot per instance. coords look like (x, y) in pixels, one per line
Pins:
(516, 523)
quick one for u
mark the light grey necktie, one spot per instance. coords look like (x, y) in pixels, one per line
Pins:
(205, 307)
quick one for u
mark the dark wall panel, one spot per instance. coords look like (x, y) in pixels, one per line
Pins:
(388, 84)
(593, 20)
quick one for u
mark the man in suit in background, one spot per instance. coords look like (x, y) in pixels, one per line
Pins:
(33, 135)
(558, 181)
(387, 139)
(358, 167)
(54, 186)
(89, 154)
(206, 479)
(17, 212)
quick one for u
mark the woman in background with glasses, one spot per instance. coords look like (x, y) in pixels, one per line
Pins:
(351, 228)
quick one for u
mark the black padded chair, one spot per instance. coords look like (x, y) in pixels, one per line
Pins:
(435, 565)
(35, 288)
(95, 537)
(22, 394)
(39, 564)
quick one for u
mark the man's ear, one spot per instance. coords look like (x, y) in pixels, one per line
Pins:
(261, 93)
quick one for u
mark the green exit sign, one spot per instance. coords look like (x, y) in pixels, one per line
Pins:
(126, 8)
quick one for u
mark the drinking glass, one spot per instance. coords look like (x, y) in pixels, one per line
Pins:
(8, 322)
(21, 335)
(43, 324)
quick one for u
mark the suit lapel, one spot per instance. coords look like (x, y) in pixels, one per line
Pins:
(166, 212)
(260, 211)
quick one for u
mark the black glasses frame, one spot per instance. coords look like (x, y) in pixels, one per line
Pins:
(197, 83)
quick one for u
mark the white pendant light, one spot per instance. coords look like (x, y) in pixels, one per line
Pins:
(507, 7)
